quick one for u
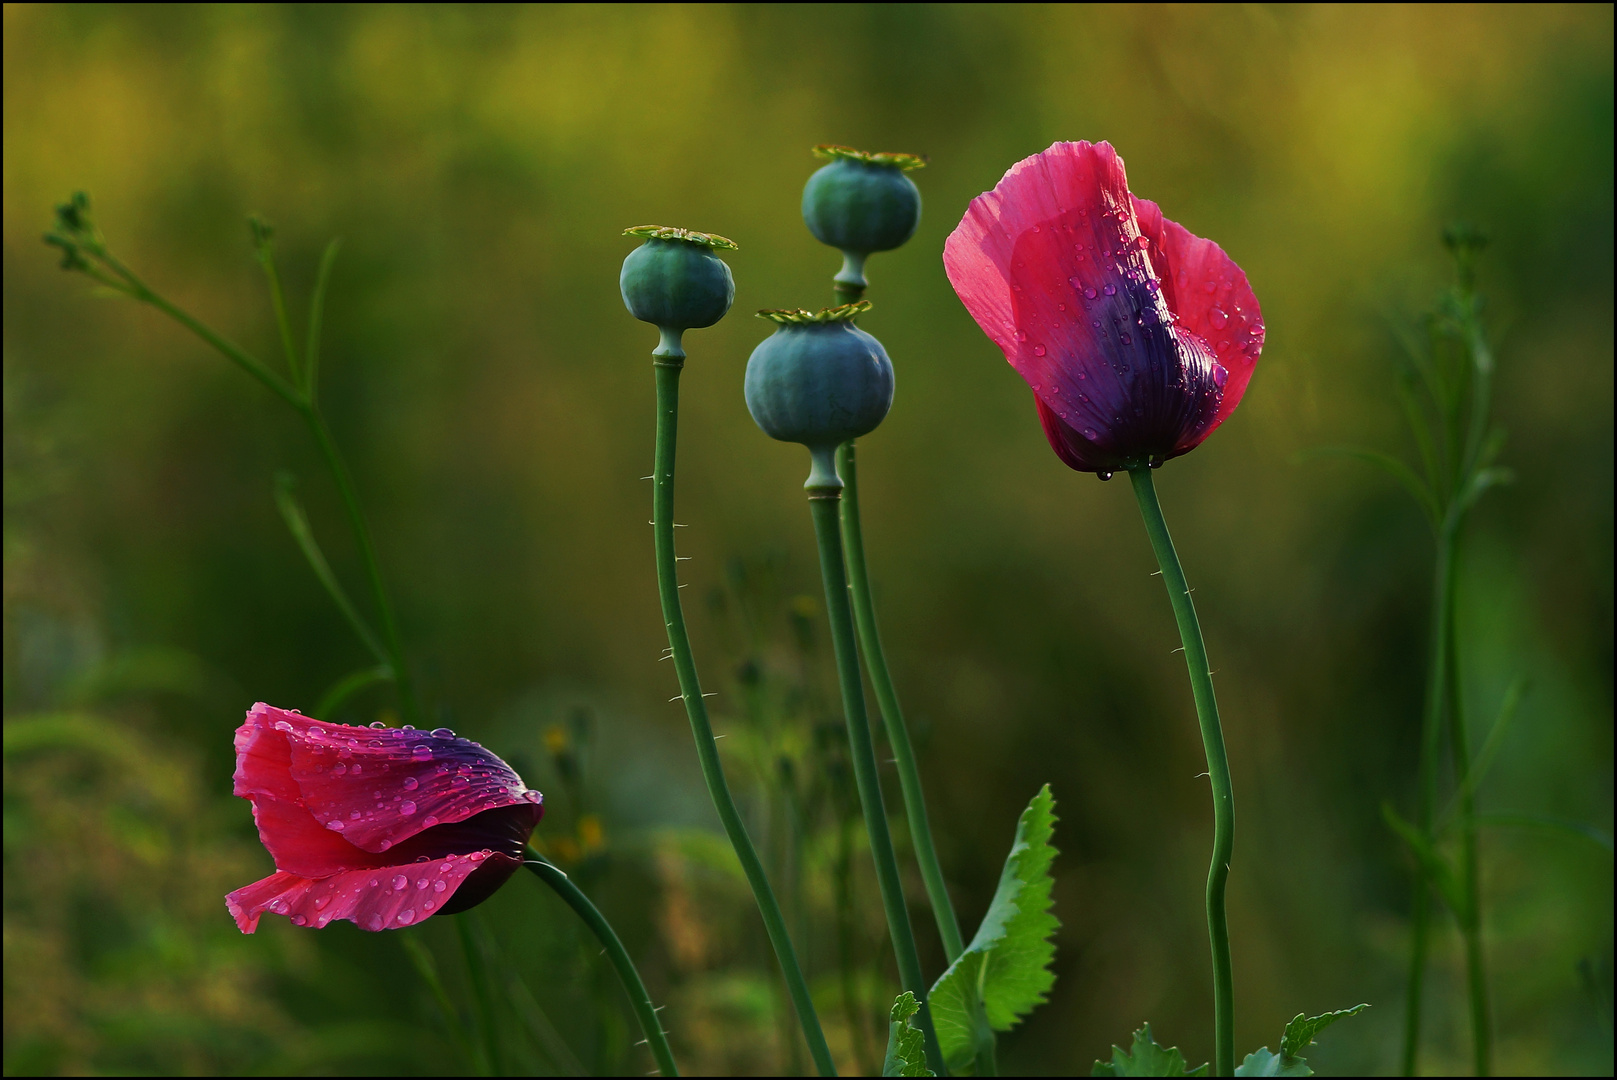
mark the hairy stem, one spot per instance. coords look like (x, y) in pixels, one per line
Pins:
(644, 1011)
(1218, 767)
(898, 736)
(667, 362)
(823, 504)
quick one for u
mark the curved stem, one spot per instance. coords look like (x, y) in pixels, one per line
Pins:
(823, 504)
(909, 777)
(667, 362)
(644, 1011)
(1426, 808)
(1218, 767)
(367, 553)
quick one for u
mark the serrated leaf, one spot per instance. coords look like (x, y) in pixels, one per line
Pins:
(1302, 1029)
(1004, 972)
(1264, 1062)
(1146, 1058)
(906, 1046)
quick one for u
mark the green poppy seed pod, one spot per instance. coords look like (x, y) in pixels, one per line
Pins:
(676, 282)
(819, 380)
(861, 203)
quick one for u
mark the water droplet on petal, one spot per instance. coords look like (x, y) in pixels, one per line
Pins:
(1209, 287)
(357, 768)
(429, 821)
(1038, 350)
(442, 733)
(383, 845)
(1221, 375)
(1217, 317)
(375, 882)
(1104, 476)
(282, 725)
(1151, 285)
(1223, 346)
(300, 920)
(411, 783)
(439, 886)
(533, 796)
(1127, 340)
(406, 917)
(375, 922)
(321, 901)
(339, 769)
(334, 826)
(407, 808)
(1021, 335)
(377, 724)
(1061, 307)
(1110, 290)
(421, 751)
(1089, 433)
(399, 882)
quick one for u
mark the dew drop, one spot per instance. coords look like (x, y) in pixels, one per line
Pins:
(411, 783)
(533, 796)
(321, 901)
(1061, 307)
(428, 906)
(375, 882)
(339, 769)
(383, 845)
(1209, 287)
(442, 733)
(407, 808)
(439, 886)
(375, 922)
(1021, 335)
(407, 727)
(377, 724)
(1104, 476)
(406, 917)
(1142, 242)
(278, 906)
(300, 920)
(282, 725)
(1218, 318)
(1110, 290)
(1095, 323)
(1126, 339)
(335, 826)
(1221, 375)
(421, 751)
(399, 882)
(1038, 350)
(1089, 433)
(429, 821)
(357, 768)
(1151, 285)
(1091, 293)
(1223, 346)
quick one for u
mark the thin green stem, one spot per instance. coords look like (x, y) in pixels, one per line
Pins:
(317, 314)
(823, 504)
(1470, 918)
(297, 523)
(881, 679)
(367, 553)
(1426, 808)
(1218, 767)
(668, 360)
(644, 1011)
(266, 258)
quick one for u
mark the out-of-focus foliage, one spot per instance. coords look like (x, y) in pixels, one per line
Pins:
(495, 401)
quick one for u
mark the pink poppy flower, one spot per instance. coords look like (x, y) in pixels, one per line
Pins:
(379, 826)
(1137, 337)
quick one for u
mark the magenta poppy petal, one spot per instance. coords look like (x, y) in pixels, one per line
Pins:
(1073, 278)
(1209, 295)
(380, 898)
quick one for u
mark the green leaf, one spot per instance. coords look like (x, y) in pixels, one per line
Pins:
(1146, 1058)
(1298, 1036)
(906, 1050)
(1004, 972)
(1302, 1029)
(1264, 1062)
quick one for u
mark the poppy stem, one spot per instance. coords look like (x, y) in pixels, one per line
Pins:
(881, 679)
(667, 362)
(823, 504)
(1218, 766)
(644, 1011)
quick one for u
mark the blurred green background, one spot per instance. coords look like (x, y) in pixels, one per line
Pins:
(494, 400)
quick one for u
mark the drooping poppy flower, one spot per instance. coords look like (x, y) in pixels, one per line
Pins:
(380, 826)
(1137, 337)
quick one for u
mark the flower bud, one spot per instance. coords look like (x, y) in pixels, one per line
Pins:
(819, 380)
(675, 281)
(861, 203)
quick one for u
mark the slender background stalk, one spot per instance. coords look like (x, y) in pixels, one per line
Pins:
(1218, 767)
(823, 504)
(668, 362)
